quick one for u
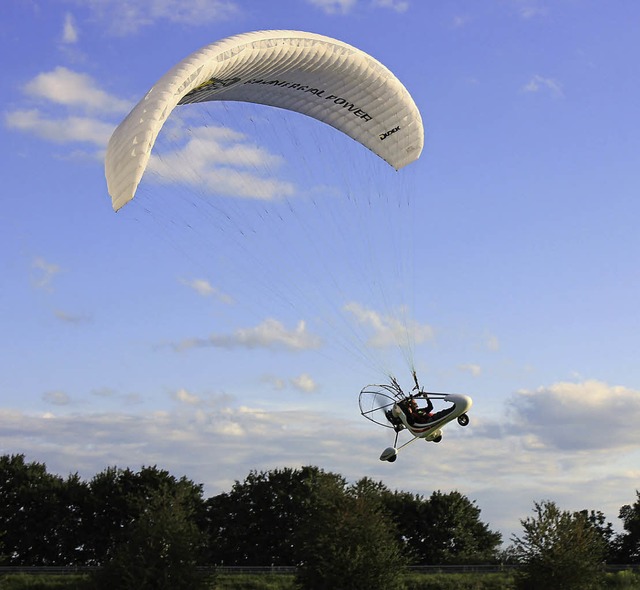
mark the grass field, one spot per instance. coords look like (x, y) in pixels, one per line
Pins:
(413, 581)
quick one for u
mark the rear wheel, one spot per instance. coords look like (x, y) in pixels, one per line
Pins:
(463, 419)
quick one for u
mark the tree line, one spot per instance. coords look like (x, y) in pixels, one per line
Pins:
(305, 517)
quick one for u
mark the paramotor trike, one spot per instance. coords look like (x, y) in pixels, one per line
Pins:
(389, 406)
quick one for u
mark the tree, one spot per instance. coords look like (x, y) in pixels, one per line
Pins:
(455, 533)
(119, 497)
(259, 521)
(559, 550)
(339, 536)
(159, 550)
(443, 529)
(3, 555)
(408, 513)
(40, 514)
(351, 543)
(628, 543)
(605, 529)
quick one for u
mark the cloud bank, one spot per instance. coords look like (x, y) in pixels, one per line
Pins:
(543, 447)
(270, 334)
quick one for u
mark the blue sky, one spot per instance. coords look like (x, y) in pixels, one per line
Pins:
(131, 339)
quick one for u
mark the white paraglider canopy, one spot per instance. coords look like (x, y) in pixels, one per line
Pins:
(304, 72)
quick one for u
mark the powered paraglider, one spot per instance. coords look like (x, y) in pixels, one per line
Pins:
(304, 72)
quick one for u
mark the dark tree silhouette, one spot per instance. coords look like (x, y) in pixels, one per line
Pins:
(559, 550)
(628, 543)
(158, 550)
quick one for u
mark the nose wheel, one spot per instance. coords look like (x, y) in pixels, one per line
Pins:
(463, 419)
(390, 454)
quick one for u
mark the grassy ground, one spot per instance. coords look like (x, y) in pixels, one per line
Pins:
(621, 580)
(45, 582)
(254, 582)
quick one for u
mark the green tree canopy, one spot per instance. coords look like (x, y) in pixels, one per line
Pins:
(258, 522)
(306, 517)
(442, 529)
(628, 543)
(559, 550)
(118, 497)
(160, 549)
(350, 544)
(40, 514)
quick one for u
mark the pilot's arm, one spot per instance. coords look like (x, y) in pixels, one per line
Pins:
(429, 407)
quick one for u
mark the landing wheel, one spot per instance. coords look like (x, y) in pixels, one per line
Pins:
(392, 459)
(437, 439)
(463, 419)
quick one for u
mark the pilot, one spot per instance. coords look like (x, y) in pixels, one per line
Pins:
(416, 414)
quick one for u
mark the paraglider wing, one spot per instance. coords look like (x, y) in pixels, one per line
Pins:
(304, 72)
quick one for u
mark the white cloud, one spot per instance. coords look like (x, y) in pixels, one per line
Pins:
(304, 382)
(528, 9)
(585, 415)
(347, 6)
(65, 130)
(538, 83)
(183, 396)
(470, 368)
(221, 161)
(206, 289)
(46, 272)
(184, 442)
(69, 30)
(125, 17)
(492, 343)
(334, 6)
(269, 334)
(278, 383)
(388, 330)
(72, 89)
(396, 5)
(77, 93)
